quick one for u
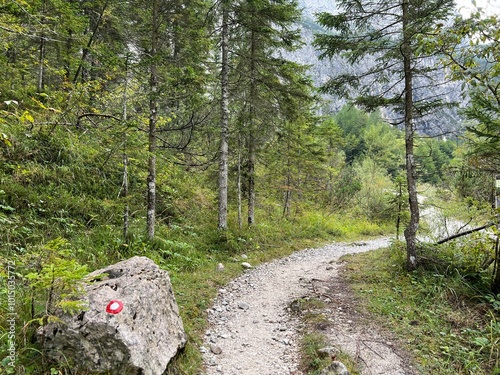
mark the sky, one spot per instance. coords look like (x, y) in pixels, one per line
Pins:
(490, 6)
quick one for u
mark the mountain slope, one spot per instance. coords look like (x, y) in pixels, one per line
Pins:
(442, 122)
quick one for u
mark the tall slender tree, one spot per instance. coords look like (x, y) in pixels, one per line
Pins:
(224, 119)
(169, 37)
(265, 29)
(125, 158)
(382, 40)
(153, 119)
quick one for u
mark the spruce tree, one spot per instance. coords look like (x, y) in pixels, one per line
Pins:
(224, 117)
(472, 48)
(170, 40)
(382, 41)
(264, 31)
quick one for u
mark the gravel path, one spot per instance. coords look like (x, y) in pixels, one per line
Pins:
(253, 332)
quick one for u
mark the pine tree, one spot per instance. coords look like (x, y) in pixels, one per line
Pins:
(169, 37)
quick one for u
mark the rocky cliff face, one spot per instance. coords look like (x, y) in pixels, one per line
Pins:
(310, 7)
(444, 121)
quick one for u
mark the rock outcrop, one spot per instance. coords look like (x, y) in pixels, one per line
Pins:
(132, 325)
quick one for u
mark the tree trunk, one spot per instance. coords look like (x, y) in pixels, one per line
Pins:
(86, 50)
(411, 231)
(223, 152)
(400, 208)
(251, 133)
(67, 57)
(495, 285)
(126, 208)
(287, 196)
(125, 158)
(153, 114)
(251, 179)
(240, 214)
(41, 64)
(41, 56)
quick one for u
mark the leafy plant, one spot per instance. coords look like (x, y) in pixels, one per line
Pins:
(46, 278)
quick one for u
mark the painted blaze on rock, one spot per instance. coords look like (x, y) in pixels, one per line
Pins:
(132, 325)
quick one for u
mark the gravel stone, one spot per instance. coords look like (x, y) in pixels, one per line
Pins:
(265, 338)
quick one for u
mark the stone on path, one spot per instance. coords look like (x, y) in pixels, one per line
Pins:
(246, 265)
(335, 368)
(215, 349)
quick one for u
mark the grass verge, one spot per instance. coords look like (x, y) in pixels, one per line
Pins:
(196, 288)
(447, 319)
(189, 249)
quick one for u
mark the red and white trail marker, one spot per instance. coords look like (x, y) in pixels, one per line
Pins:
(114, 307)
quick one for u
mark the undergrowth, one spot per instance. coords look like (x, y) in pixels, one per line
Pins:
(443, 312)
(47, 271)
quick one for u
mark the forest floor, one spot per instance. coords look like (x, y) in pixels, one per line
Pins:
(259, 320)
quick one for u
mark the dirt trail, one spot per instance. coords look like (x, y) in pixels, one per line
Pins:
(254, 331)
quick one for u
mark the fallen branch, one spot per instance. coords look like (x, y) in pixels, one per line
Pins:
(464, 233)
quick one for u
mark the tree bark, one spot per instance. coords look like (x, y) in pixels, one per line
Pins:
(41, 64)
(411, 175)
(126, 208)
(495, 284)
(125, 158)
(153, 116)
(86, 50)
(464, 233)
(240, 215)
(400, 208)
(41, 55)
(251, 133)
(287, 195)
(251, 180)
(224, 122)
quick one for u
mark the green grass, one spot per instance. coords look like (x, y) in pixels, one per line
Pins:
(314, 345)
(196, 288)
(189, 248)
(446, 320)
(312, 361)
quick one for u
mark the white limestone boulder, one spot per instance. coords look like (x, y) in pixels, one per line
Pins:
(132, 325)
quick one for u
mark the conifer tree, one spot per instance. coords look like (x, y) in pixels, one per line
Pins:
(472, 48)
(169, 37)
(382, 40)
(265, 29)
(224, 120)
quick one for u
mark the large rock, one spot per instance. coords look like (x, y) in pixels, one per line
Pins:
(140, 339)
